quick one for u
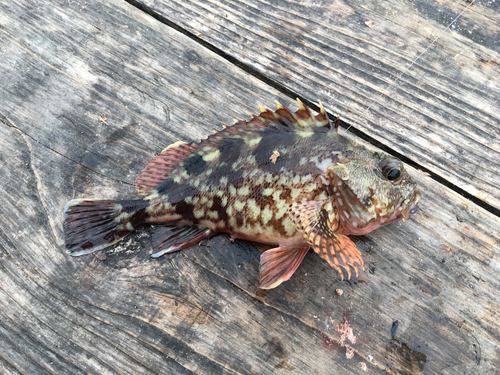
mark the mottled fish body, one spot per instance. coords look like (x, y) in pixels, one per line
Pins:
(282, 178)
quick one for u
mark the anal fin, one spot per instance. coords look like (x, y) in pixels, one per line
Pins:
(279, 264)
(173, 237)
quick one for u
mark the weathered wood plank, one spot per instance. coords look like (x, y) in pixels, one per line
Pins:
(198, 311)
(443, 112)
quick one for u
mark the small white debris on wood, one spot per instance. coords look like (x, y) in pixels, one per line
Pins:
(349, 353)
(101, 255)
(369, 23)
(339, 291)
(422, 172)
(363, 366)
(103, 118)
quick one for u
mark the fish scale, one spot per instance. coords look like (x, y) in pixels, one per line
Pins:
(283, 178)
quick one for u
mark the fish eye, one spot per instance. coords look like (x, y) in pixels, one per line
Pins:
(392, 169)
(393, 174)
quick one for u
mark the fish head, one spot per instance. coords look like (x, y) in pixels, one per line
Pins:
(371, 189)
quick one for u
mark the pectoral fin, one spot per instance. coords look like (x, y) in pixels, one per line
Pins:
(279, 264)
(318, 223)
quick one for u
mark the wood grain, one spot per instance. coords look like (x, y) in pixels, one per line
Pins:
(64, 65)
(442, 113)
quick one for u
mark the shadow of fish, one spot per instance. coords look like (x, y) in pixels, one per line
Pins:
(282, 178)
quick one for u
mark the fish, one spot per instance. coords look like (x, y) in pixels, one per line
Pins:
(283, 178)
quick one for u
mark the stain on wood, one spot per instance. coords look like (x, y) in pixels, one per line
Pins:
(277, 350)
(64, 64)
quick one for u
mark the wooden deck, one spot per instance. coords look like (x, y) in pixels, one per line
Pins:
(91, 90)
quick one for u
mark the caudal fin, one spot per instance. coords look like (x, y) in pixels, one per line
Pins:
(93, 224)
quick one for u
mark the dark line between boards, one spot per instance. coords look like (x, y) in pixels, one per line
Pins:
(268, 81)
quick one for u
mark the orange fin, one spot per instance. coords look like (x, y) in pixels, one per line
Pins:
(173, 237)
(302, 118)
(306, 119)
(158, 169)
(318, 222)
(279, 264)
(323, 120)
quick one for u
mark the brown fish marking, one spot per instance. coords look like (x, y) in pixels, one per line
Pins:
(322, 188)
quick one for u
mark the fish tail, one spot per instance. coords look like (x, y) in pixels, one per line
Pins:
(94, 224)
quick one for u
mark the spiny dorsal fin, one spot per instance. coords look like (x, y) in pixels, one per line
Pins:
(302, 118)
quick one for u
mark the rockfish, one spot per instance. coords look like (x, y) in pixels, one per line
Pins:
(281, 178)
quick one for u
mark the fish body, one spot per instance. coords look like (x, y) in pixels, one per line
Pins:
(282, 178)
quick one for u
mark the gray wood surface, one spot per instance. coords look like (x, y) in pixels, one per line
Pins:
(63, 64)
(443, 114)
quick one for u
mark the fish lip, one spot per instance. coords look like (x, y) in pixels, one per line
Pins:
(412, 208)
(407, 213)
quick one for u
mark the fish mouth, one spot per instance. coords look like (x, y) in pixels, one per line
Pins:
(411, 206)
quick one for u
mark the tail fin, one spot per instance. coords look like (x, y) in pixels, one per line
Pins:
(93, 224)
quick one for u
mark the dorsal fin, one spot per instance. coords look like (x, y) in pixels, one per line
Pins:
(162, 165)
(303, 118)
(158, 169)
